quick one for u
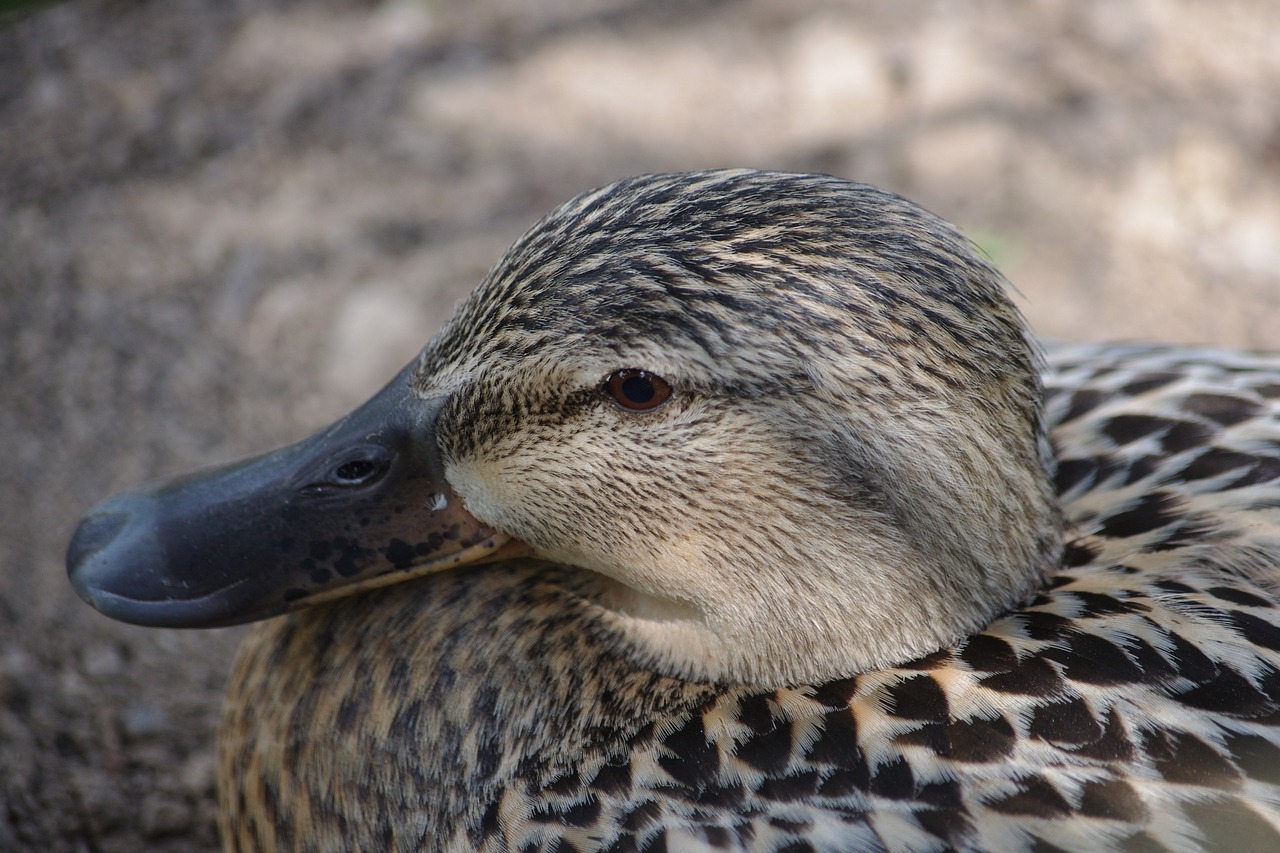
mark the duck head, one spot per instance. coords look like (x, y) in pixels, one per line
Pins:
(787, 426)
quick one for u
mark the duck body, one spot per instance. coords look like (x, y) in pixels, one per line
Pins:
(1133, 704)
(739, 510)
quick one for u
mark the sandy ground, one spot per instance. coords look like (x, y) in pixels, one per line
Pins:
(224, 223)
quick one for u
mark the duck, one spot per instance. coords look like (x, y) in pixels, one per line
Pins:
(741, 510)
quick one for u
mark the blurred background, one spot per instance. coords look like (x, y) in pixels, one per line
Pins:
(223, 223)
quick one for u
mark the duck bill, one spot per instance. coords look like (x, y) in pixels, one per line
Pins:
(361, 504)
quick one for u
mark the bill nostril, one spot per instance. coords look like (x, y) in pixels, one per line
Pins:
(94, 533)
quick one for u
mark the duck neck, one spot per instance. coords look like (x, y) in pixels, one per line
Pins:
(429, 698)
(833, 612)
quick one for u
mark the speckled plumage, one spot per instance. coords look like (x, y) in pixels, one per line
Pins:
(875, 578)
(1134, 705)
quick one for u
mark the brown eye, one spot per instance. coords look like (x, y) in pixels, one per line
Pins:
(637, 390)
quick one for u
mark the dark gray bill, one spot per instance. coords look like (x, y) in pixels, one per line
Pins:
(363, 503)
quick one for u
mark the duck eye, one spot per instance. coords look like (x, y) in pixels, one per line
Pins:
(637, 390)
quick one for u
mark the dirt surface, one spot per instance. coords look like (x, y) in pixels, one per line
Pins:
(224, 223)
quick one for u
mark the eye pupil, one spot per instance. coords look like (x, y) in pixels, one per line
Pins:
(637, 390)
